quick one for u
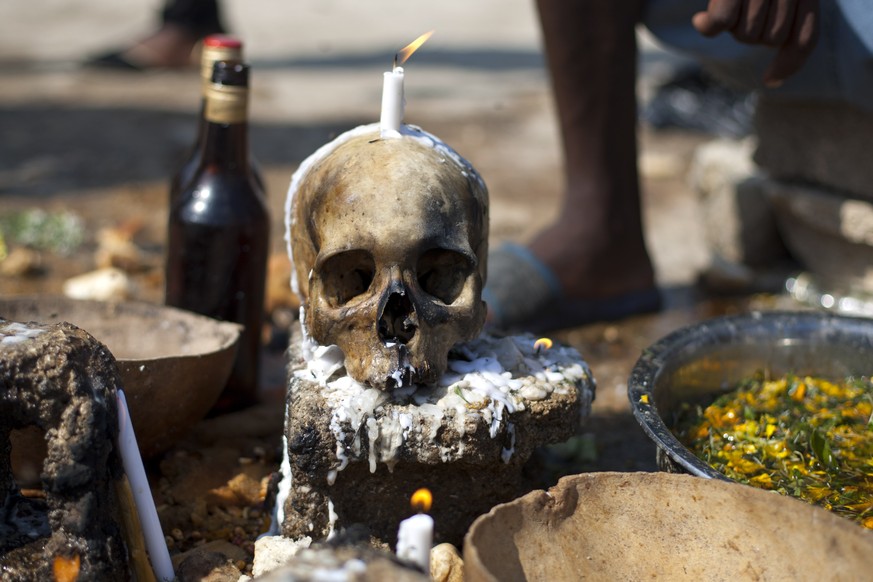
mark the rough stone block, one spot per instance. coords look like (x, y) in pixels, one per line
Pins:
(356, 454)
(62, 380)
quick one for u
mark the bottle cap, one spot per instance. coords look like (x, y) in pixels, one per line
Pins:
(218, 47)
(222, 41)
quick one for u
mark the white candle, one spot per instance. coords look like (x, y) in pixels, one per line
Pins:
(414, 539)
(392, 102)
(142, 494)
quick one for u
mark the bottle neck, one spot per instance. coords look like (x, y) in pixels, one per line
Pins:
(210, 56)
(225, 126)
(225, 145)
(201, 124)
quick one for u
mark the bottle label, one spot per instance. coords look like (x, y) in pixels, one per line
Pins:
(226, 104)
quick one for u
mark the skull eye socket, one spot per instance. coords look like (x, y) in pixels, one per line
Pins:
(346, 275)
(442, 274)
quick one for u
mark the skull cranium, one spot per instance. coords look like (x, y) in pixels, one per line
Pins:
(389, 241)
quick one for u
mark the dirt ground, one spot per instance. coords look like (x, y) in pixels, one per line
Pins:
(102, 145)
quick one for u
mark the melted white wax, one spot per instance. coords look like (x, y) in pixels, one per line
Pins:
(350, 570)
(13, 332)
(284, 487)
(487, 380)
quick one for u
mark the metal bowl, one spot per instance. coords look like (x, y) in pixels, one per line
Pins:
(173, 363)
(701, 361)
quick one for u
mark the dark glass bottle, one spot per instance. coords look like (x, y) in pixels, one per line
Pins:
(216, 47)
(219, 232)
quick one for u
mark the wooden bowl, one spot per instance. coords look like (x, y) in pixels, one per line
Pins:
(662, 526)
(173, 363)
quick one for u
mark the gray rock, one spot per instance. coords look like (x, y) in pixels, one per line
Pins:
(739, 223)
(446, 564)
(824, 144)
(61, 379)
(356, 454)
(347, 563)
(273, 552)
(831, 234)
(207, 566)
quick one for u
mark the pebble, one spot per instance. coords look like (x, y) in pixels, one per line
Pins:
(109, 284)
(272, 552)
(446, 564)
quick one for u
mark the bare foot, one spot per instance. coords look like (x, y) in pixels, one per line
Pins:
(592, 264)
(171, 46)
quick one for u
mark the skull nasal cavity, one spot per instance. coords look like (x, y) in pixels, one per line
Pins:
(397, 322)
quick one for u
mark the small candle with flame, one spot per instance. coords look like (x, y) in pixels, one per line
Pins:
(392, 89)
(415, 535)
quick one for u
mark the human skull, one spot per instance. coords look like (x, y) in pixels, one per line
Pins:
(389, 239)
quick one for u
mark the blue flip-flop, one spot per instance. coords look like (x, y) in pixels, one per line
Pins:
(524, 294)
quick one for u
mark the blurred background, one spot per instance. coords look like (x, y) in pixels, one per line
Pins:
(86, 154)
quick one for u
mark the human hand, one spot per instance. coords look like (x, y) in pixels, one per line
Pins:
(790, 25)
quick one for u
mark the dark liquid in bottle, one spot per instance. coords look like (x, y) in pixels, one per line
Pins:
(216, 265)
(218, 245)
(185, 174)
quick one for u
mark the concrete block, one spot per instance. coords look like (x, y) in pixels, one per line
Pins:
(824, 144)
(830, 233)
(738, 220)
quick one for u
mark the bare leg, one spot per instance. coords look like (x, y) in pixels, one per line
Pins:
(596, 248)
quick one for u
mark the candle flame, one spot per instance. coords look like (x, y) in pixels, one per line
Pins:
(543, 343)
(421, 500)
(406, 52)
